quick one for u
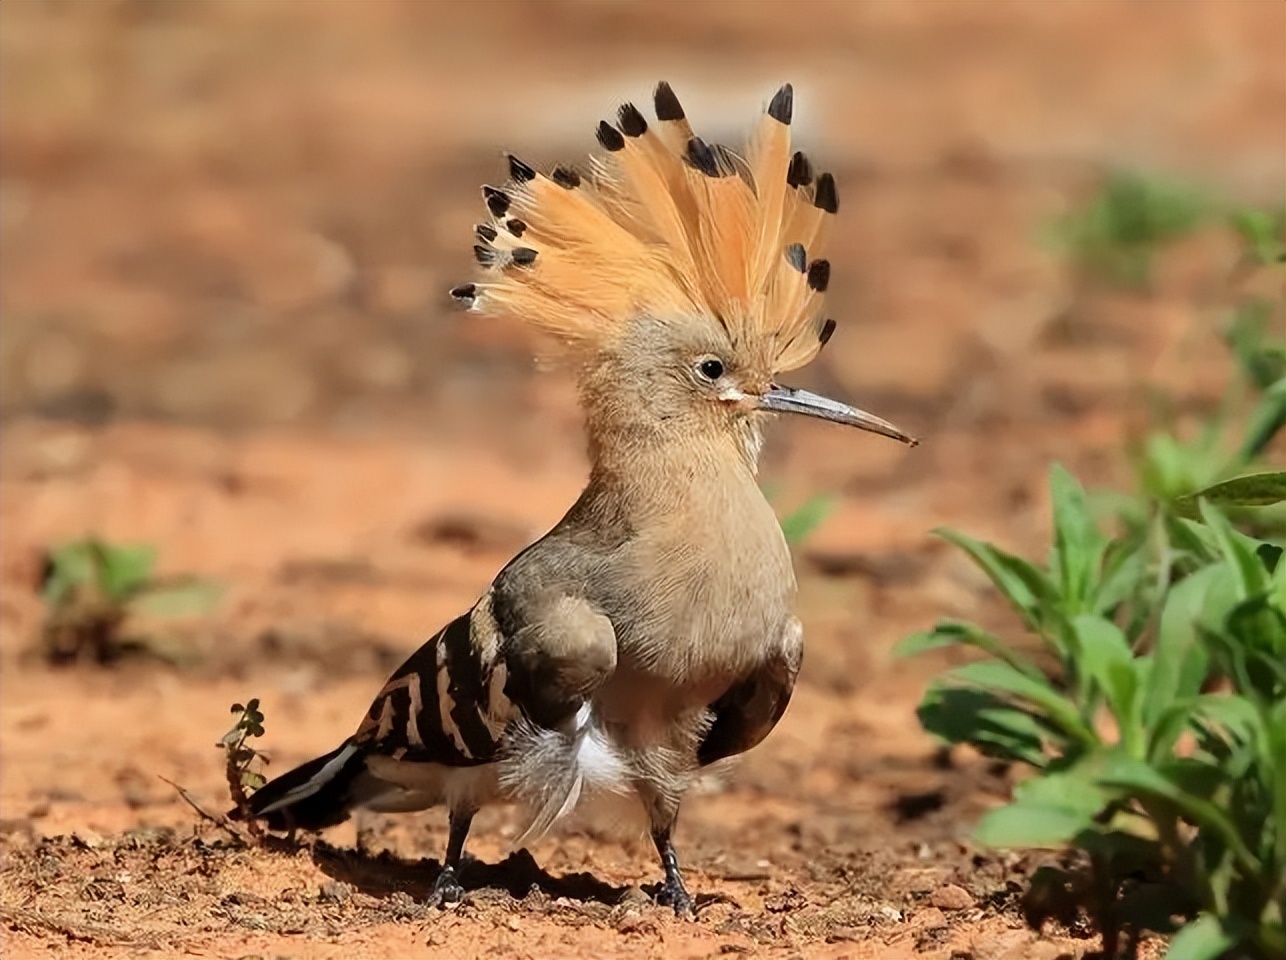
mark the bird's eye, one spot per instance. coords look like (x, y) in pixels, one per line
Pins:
(710, 369)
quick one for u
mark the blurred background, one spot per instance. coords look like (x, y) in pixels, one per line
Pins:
(226, 234)
(243, 214)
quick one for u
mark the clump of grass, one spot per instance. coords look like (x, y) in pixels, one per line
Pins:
(1116, 236)
(95, 593)
(1157, 740)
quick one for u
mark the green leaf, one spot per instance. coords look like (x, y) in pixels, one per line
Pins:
(1261, 231)
(124, 570)
(987, 722)
(1124, 571)
(1264, 422)
(1166, 727)
(1134, 777)
(1108, 661)
(799, 523)
(1078, 545)
(1235, 714)
(177, 598)
(1026, 588)
(1179, 661)
(1255, 490)
(1047, 811)
(70, 566)
(1239, 549)
(1019, 826)
(1251, 647)
(1203, 939)
(1059, 711)
(948, 633)
(1117, 234)
(1260, 355)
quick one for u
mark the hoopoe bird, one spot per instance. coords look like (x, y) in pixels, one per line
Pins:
(649, 634)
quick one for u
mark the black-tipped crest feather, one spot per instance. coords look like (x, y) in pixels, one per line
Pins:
(631, 120)
(800, 171)
(783, 104)
(819, 275)
(519, 171)
(566, 177)
(610, 138)
(826, 198)
(497, 200)
(702, 157)
(667, 104)
(662, 220)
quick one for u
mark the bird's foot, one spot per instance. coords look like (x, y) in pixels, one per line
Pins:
(674, 894)
(446, 889)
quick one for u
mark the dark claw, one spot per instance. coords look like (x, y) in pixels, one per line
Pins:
(674, 894)
(446, 889)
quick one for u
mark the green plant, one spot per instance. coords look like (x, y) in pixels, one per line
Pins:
(1157, 738)
(242, 763)
(1174, 468)
(1262, 232)
(1115, 236)
(93, 591)
(807, 517)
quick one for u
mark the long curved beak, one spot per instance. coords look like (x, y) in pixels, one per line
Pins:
(781, 399)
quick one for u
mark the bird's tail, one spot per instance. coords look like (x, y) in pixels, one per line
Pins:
(314, 795)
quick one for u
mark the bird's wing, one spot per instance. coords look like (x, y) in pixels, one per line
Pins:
(532, 654)
(446, 704)
(558, 647)
(748, 711)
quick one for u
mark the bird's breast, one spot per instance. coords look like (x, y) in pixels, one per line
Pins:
(707, 594)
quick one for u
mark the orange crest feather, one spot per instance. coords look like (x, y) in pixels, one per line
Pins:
(664, 224)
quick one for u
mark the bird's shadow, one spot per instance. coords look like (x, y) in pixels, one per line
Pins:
(383, 875)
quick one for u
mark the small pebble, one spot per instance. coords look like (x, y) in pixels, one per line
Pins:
(335, 891)
(949, 896)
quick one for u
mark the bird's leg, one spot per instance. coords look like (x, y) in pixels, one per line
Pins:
(446, 886)
(673, 892)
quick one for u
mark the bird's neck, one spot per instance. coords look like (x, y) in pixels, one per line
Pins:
(669, 473)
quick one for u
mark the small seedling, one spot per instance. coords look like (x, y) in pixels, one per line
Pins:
(94, 590)
(243, 763)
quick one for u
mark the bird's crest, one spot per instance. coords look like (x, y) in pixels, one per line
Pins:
(664, 224)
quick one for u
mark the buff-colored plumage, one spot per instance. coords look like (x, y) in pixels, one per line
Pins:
(663, 224)
(649, 635)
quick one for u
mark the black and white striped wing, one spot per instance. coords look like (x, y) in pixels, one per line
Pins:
(446, 704)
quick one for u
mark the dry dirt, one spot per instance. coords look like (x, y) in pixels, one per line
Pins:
(226, 229)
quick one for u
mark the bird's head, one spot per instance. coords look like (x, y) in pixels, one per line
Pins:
(683, 276)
